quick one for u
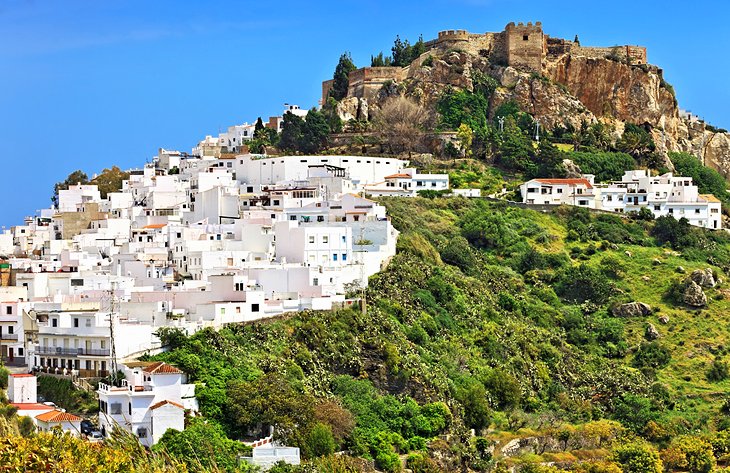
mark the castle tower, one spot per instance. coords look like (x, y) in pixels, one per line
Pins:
(525, 45)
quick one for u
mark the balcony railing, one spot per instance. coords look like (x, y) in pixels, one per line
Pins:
(40, 350)
(9, 336)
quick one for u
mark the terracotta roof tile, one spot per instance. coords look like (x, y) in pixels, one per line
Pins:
(23, 375)
(709, 198)
(399, 175)
(57, 416)
(30, 406)
(566, 182)
(160, 367)
(157, 405)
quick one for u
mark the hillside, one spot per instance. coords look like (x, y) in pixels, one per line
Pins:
(490, 318)
(561, 83)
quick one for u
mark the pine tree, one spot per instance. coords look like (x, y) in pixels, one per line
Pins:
(342, 76)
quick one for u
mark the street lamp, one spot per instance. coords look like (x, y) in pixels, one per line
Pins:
(501, 124)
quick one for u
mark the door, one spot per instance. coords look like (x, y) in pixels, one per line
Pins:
(11, 356)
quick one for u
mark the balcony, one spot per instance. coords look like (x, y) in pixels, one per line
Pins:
(9, 337)
(39, 350)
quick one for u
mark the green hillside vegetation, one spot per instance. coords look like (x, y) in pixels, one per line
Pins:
(496, 319)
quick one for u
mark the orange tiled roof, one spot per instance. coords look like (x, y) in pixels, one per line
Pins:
(155, 225)
(57, 416)
(162, 403)
(22, 375)
(160, 367)
(30, 406)
(399, 175)
(566, 181)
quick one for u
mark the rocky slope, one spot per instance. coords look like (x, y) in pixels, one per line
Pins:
(570, 89)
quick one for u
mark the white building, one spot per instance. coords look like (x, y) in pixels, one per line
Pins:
(663, 195)
(151, 399)
(407, 183)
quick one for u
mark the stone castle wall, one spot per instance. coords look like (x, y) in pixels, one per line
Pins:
(526, 46)
(637, 54)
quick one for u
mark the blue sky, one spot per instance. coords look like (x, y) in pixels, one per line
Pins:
(86, 84)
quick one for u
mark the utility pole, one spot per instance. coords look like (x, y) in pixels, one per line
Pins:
(537, 130)
(112, 309)
(501, 124)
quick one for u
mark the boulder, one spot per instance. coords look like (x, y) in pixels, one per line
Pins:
(631, 309)
(510, 76)
(693, 294)
(628, 253)
(680, 269)
(571, 169)
(651, 332)
(520, 446)
(703, 277)
(664, 319)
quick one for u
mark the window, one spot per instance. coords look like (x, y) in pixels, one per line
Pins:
(697, 211)
(142, 432)
(239, 286)
(559, 190)
(223, 311)
(254, 307)
(11, 329)
(657, 207)
(609, 198)
(292, 217)
(54, 322)
(249, 189)
(20, 352)
(334, 256)
(344, 239)
(325, 239)
(116, 408)
(79, 282)
(76, 321)
(276, 202)
(9, 310)
(130, 408)
(311, 238)
(315, 282)
(525, 37)
(344, 256)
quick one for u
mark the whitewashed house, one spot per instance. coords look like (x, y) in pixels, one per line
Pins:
(151, 399)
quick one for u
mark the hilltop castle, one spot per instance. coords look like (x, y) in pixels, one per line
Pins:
(522, 46)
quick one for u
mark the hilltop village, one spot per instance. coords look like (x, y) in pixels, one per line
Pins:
(240, 230)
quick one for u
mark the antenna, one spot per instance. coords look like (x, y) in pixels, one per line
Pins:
(112, 308)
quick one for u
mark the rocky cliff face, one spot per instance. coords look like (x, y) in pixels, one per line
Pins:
(571, 89)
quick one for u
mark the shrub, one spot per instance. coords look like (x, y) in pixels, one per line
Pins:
(718, 371)
(584, 284)
(320, 441)
(637, 457)
(652, 355)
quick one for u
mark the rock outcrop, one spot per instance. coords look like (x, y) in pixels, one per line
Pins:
(693, 295)
(631, 309)
(651, 332)
(703, 277)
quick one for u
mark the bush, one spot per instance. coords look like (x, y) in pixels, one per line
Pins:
(652, 355)
(718, 371)
(320, 441)
(584, 284)
(605, 166)
(637, 457)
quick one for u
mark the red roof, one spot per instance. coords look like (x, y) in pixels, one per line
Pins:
(161, 367)
(569, 182)
(162, 403)
(57, 416)
(31, 406)
(23, 375)
(399, 175)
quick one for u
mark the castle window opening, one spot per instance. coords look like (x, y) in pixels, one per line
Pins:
(525, 37)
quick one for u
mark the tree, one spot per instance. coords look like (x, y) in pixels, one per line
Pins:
(320, 441)
(401, 124)
(329, 111)
(341, 77)
(315, 133)
(465, 135)
(515, 149)
(76, 177)
(381, 61)
(270, 400)
(202, 443)
(110, 180)
(583, 283)
(291, 132)
(258, 126)
(549, 160)
(636, 141)
(690, 453)
(637, 457)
